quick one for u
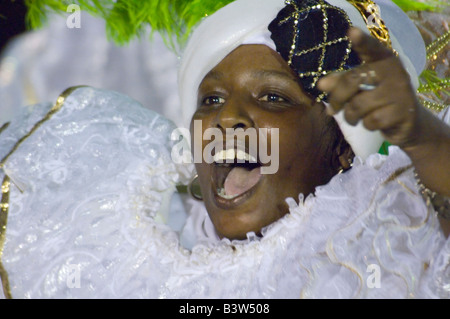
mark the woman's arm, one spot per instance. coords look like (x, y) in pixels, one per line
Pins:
(392, 107)
(429, 151)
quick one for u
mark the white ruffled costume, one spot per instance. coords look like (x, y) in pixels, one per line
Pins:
(93, 211)
(94, 214)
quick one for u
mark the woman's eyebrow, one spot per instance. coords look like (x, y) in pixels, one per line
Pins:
(217, 75)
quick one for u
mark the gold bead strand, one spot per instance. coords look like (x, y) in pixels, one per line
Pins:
(435, 47)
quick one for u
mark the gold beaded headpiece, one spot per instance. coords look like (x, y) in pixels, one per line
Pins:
(311, 35)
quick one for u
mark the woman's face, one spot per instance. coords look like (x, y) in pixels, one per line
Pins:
(254, 88)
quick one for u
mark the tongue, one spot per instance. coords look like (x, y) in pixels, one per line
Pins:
(240, 180)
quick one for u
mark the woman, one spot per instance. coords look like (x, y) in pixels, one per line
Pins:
(108, 163)
(399, 116)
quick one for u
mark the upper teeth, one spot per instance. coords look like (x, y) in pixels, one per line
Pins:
(230, 155)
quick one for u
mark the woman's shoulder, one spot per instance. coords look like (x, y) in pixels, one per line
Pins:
(107, 161)
(83, 109)
(84, 121)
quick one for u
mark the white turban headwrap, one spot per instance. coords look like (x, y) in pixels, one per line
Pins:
(246, 22)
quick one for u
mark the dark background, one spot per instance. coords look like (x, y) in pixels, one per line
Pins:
(12, 20)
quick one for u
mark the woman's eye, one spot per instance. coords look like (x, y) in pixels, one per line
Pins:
(213, 100)
(273, 98)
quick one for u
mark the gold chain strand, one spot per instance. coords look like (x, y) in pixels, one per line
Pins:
(433, 106)
(6, 185)
(324, 40)
(53, 110)
(442, 85)
(321, 46)
(432, 51)
(318, 6)
(4, 208)
(435, 47)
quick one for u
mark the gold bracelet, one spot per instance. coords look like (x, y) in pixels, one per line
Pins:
(441, 204)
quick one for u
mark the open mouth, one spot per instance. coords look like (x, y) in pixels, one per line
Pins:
(236, 173)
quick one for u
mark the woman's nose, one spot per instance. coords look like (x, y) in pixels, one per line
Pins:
(234, 114)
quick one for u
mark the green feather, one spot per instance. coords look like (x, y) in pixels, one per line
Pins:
(39, 9)
(173, 19)
(413, 5)
(127, 19)
(432, 83)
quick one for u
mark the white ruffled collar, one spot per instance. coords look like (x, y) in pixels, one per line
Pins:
(199, 228)
(349, 224)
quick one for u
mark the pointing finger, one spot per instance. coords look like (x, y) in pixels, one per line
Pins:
(369, 49)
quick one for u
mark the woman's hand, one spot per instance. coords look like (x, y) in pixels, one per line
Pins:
(387, 102)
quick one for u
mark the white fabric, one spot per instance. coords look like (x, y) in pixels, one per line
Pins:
(38, 65)
(246, 22)
(264, 38)
(96, 183)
